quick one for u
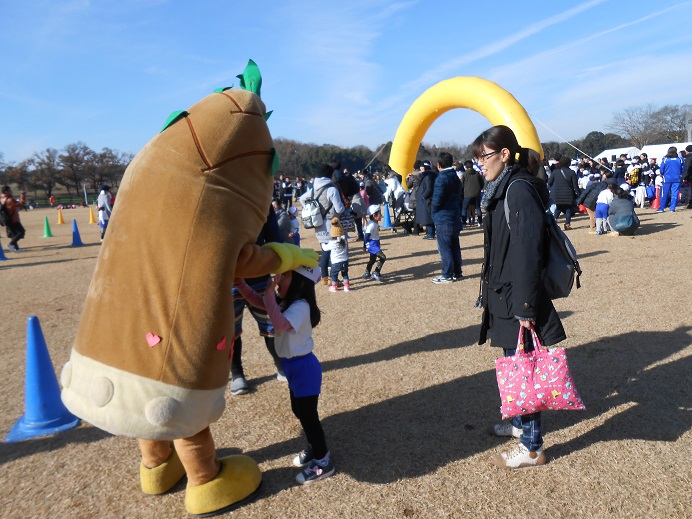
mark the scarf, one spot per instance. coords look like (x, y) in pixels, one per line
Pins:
(491, 187)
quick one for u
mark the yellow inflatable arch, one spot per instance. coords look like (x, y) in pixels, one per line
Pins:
(474, 93)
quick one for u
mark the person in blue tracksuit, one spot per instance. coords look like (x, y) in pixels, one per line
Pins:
(671, 169)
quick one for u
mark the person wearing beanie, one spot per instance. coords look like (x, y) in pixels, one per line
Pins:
(329, 197)
(338, 248)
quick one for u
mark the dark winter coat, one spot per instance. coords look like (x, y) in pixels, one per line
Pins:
(413, 183)
(589, 195)
(424, 198)
(446, 199)
(472, 182)
(687, 175)
(374, 192)
(623, 209)
(564, 187)
(511, 275)
(619, 173)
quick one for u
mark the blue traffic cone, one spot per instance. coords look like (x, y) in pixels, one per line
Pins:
(44, 412)
(76, 240)
(2, 254)
(386, 221)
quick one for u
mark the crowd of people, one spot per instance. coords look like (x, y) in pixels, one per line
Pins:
(443, 200)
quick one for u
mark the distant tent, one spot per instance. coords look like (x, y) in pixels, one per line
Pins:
(616, 152)
(658, 151)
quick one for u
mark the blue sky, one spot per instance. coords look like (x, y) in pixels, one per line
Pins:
(108, 73)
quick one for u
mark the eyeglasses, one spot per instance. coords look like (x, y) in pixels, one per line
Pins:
(485, 157)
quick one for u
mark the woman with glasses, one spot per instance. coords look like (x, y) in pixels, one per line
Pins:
(512, 293)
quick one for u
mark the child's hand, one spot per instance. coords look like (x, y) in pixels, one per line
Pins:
(271, 283)
(237, 281)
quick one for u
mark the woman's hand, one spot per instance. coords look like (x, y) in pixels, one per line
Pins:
(526, 324)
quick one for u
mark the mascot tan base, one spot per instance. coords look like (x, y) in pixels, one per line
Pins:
(152, 354)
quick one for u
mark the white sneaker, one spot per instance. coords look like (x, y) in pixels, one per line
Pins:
(520, 457)
(239, 386)
(505, 429)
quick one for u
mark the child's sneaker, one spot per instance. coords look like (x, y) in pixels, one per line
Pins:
(304, 458)
(599, 233)
(376, 276)
(334, 288)
(520, 457)
(315, 472)
(366, 275)
(347, 286)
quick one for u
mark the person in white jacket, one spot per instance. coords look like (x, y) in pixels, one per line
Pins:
(103, 202)
(329, 197)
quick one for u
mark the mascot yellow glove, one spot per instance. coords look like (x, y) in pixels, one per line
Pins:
(292, 256)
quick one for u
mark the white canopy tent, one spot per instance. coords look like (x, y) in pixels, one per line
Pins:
(616, 152)
(658, 151)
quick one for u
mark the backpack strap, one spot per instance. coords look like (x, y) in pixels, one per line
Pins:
(316, 195)
(507, 198)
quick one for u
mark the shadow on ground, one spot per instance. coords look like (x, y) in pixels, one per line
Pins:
(82, 434)
(418, 433)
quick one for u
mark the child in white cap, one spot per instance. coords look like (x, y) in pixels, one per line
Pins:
(293, 312)
(372, 244)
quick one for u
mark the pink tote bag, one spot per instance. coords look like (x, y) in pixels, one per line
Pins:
(539, 380)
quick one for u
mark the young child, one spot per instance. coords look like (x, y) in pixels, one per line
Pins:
(294, 313)
(602, 205)
(372, 244)
(295, 225)
(339, 256)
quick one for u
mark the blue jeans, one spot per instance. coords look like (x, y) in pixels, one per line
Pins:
(359, 227)
(530, 424)
(449, 249)
(341, 266)
(669, 190)
(568, 210)
(325, 260)
(430, 230)
(471, 201)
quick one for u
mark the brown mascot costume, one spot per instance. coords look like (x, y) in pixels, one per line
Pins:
(152, 355)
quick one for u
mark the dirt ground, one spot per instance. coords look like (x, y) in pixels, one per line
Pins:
(408, 394)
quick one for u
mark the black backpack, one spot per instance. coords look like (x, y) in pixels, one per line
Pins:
(561, 265)
(5, 217)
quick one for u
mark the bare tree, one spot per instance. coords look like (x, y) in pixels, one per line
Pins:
(18, 175)
(107, 167)
(77, 162)
(46, 170)
(637, 124)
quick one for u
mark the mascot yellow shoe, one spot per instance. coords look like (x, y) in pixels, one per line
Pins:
(152, 354)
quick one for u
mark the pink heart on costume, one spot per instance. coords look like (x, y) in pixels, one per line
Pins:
(222, 345)
(153, 340)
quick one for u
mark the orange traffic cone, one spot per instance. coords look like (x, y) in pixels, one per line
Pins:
(61, 220)
(92, 218)
(657, 201)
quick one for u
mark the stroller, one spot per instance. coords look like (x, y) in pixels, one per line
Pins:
(404, 215)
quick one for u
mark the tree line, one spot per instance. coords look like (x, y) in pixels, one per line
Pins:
(77, 164)
(73, 167)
